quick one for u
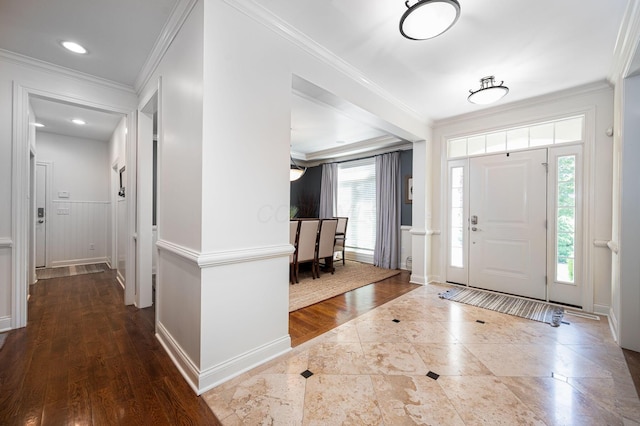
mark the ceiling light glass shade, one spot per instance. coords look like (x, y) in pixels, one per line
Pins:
(295, 171)
(74, 47)
(295, 174)
(428, 18)
(488, 92)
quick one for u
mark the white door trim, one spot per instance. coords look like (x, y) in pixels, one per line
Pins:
(20, 188)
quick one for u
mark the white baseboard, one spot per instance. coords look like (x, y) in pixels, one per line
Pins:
(601, 309)
(202, 381)
(120, 279)
(218, 374)
(359, 257)
(434, 279)
(76, 262)
(417, 279)
(184, 364)
(5, 323)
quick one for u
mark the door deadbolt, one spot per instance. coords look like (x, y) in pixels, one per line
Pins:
(474, 220)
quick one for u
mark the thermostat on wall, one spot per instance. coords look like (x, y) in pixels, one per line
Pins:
(63, 194)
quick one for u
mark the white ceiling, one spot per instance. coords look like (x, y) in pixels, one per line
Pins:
(536, 47)
(56, 118)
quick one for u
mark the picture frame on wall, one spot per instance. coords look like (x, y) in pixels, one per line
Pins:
(408, 189)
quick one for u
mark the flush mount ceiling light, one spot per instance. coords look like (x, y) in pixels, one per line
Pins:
(428, 18)
(78, 121)
(74, 47)
(38, 124)
(488, 92)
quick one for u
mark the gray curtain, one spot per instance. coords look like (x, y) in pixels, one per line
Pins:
(328, 191)
(386, 252)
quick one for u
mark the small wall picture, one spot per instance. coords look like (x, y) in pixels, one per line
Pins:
(408, 189)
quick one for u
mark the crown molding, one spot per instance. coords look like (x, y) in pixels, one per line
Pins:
(550, 97)
(265, 17)
(626, 43)
(389, 143)
(39, 65)
(178, 16)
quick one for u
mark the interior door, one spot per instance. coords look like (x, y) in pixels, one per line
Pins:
(41, 215)
(507, 227)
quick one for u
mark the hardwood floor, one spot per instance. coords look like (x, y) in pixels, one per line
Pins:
(85, 358)
(312, 321)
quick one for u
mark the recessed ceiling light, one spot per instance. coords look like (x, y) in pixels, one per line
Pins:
(78, 121)
(74, 47)
(38, 124)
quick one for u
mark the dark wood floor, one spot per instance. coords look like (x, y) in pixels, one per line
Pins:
(85, 358)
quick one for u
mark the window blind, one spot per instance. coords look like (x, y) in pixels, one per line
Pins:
(357, 201)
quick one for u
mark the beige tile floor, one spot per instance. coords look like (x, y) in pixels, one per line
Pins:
(373, 371)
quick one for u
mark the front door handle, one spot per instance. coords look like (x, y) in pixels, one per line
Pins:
(41, 221)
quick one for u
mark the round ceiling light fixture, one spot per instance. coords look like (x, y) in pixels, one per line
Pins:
(428, 18)
(74, 47)
(488, 92)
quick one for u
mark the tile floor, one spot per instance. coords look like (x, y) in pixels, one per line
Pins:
(437, 365)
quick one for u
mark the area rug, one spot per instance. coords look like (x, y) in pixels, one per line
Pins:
(523, 308)
(69, 271)
(346, 277)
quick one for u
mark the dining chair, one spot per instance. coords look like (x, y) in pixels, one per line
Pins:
(307, 240)
(326, 242)
(294, 229)
(341, 236)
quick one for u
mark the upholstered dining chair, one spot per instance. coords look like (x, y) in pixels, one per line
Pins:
(326, 242)
(341, 235)
(307, 240)
(294, 229)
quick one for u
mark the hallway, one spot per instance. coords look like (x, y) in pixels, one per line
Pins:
(85, 358)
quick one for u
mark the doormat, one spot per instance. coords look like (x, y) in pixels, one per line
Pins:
(505, 304)
(69, 271)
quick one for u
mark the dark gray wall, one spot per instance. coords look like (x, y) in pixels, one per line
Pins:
(305, 192)
(406, 169)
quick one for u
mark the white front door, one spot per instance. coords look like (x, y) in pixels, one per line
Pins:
(41, 215)
(507, 227)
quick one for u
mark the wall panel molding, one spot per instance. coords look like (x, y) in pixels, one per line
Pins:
(230, 257)
(6, 243)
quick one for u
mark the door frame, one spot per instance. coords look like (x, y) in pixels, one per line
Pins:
(20, 188)
(48, 205)
(588, 200)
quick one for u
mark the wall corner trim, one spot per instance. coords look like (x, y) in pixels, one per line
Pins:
(6, 243)
(229, 257)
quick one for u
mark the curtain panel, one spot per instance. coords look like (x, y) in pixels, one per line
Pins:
(387, 252)
(328, 191)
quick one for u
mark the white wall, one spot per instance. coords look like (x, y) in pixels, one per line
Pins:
(596, 98)
(79, 167)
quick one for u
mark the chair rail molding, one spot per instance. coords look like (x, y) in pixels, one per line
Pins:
(229, 257)
(6, 243)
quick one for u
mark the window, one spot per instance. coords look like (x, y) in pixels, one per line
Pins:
(566, 218)
(357, 200)
(542, 134)
(457, 217)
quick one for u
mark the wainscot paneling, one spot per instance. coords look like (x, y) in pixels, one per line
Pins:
(77, 232)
